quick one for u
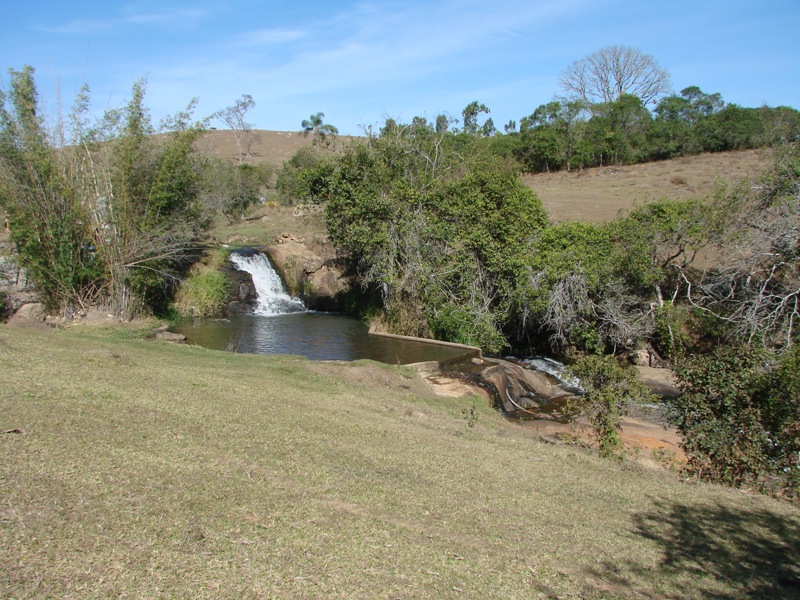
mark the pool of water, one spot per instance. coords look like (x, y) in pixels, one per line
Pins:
(318, 336)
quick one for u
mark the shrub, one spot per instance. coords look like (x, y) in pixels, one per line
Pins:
(739, 416)
(204, 292)
(4, 307)
(608, 388)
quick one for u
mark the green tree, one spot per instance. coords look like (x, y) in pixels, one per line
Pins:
(619, 131)
(736, 417)
(320, 132)
(234, 189)
(302, 178)
(732, 128)
(678, 127)
(438, 240)
(551, 136)
(48, 222)
(470, 115)
(577, 296)
(111, 223)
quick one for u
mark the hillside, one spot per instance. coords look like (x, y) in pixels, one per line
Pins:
(602, 193)
(134, 468)
(596, 194)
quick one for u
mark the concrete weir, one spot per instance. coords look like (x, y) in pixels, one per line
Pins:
(469, 352)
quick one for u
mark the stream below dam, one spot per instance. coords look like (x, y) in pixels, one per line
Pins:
(281, 324)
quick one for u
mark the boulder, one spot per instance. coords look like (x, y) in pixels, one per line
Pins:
(169, 336)
(310, 269)
(236, 308)
(30, 314)
(242, 293)
(518, 388)
(33, 311)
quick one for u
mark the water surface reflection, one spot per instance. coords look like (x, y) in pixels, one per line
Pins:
(318, 336)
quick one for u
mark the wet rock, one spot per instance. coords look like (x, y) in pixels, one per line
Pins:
(520, 388)
(235, 308)
(310, 270)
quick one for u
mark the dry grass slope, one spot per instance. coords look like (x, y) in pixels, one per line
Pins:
(151, 470)
(597, 194)
(602, 193)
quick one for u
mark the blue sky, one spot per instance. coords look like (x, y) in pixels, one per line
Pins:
(360, 62)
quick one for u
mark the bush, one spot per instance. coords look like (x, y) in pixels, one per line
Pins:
(608, 390)
(739, 416)
(5, 307)
(299, 179)
(204, 292)
(113, 224)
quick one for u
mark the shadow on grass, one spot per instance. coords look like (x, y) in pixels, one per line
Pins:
(715, 551)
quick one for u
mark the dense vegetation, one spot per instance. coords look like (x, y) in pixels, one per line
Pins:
(446, 242)
(109, 213)
(567, 135)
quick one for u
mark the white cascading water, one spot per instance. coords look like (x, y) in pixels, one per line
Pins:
(272, 298)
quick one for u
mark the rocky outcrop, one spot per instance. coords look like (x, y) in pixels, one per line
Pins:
(169, 336)
(310, 269)
(242, 292)
(518, 388)
(30, 315)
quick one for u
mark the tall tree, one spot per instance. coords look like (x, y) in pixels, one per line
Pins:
(234, 118)
(109, 224)
(470, 114)
(611, 72)
(48, 223)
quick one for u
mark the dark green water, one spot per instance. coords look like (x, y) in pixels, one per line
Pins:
(318, 336)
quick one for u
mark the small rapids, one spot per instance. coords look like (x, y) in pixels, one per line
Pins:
(554, 369)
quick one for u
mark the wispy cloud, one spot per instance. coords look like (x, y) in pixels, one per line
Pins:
(95, 26)
(269, 37)
(165, 17)
(366, 59)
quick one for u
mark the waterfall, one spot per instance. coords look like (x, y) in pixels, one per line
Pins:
(272, 298)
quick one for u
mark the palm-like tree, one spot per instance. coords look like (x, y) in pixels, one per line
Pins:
(319, 130)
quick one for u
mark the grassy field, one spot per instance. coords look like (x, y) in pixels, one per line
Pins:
(134, 468)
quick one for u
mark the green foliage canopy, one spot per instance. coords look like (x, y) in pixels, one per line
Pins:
(111, 220)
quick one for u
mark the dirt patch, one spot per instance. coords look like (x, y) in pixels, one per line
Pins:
(648, 440)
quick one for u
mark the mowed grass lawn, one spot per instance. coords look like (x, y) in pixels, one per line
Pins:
(151, 470)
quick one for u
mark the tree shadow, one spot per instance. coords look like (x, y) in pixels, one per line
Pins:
(715, 551)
